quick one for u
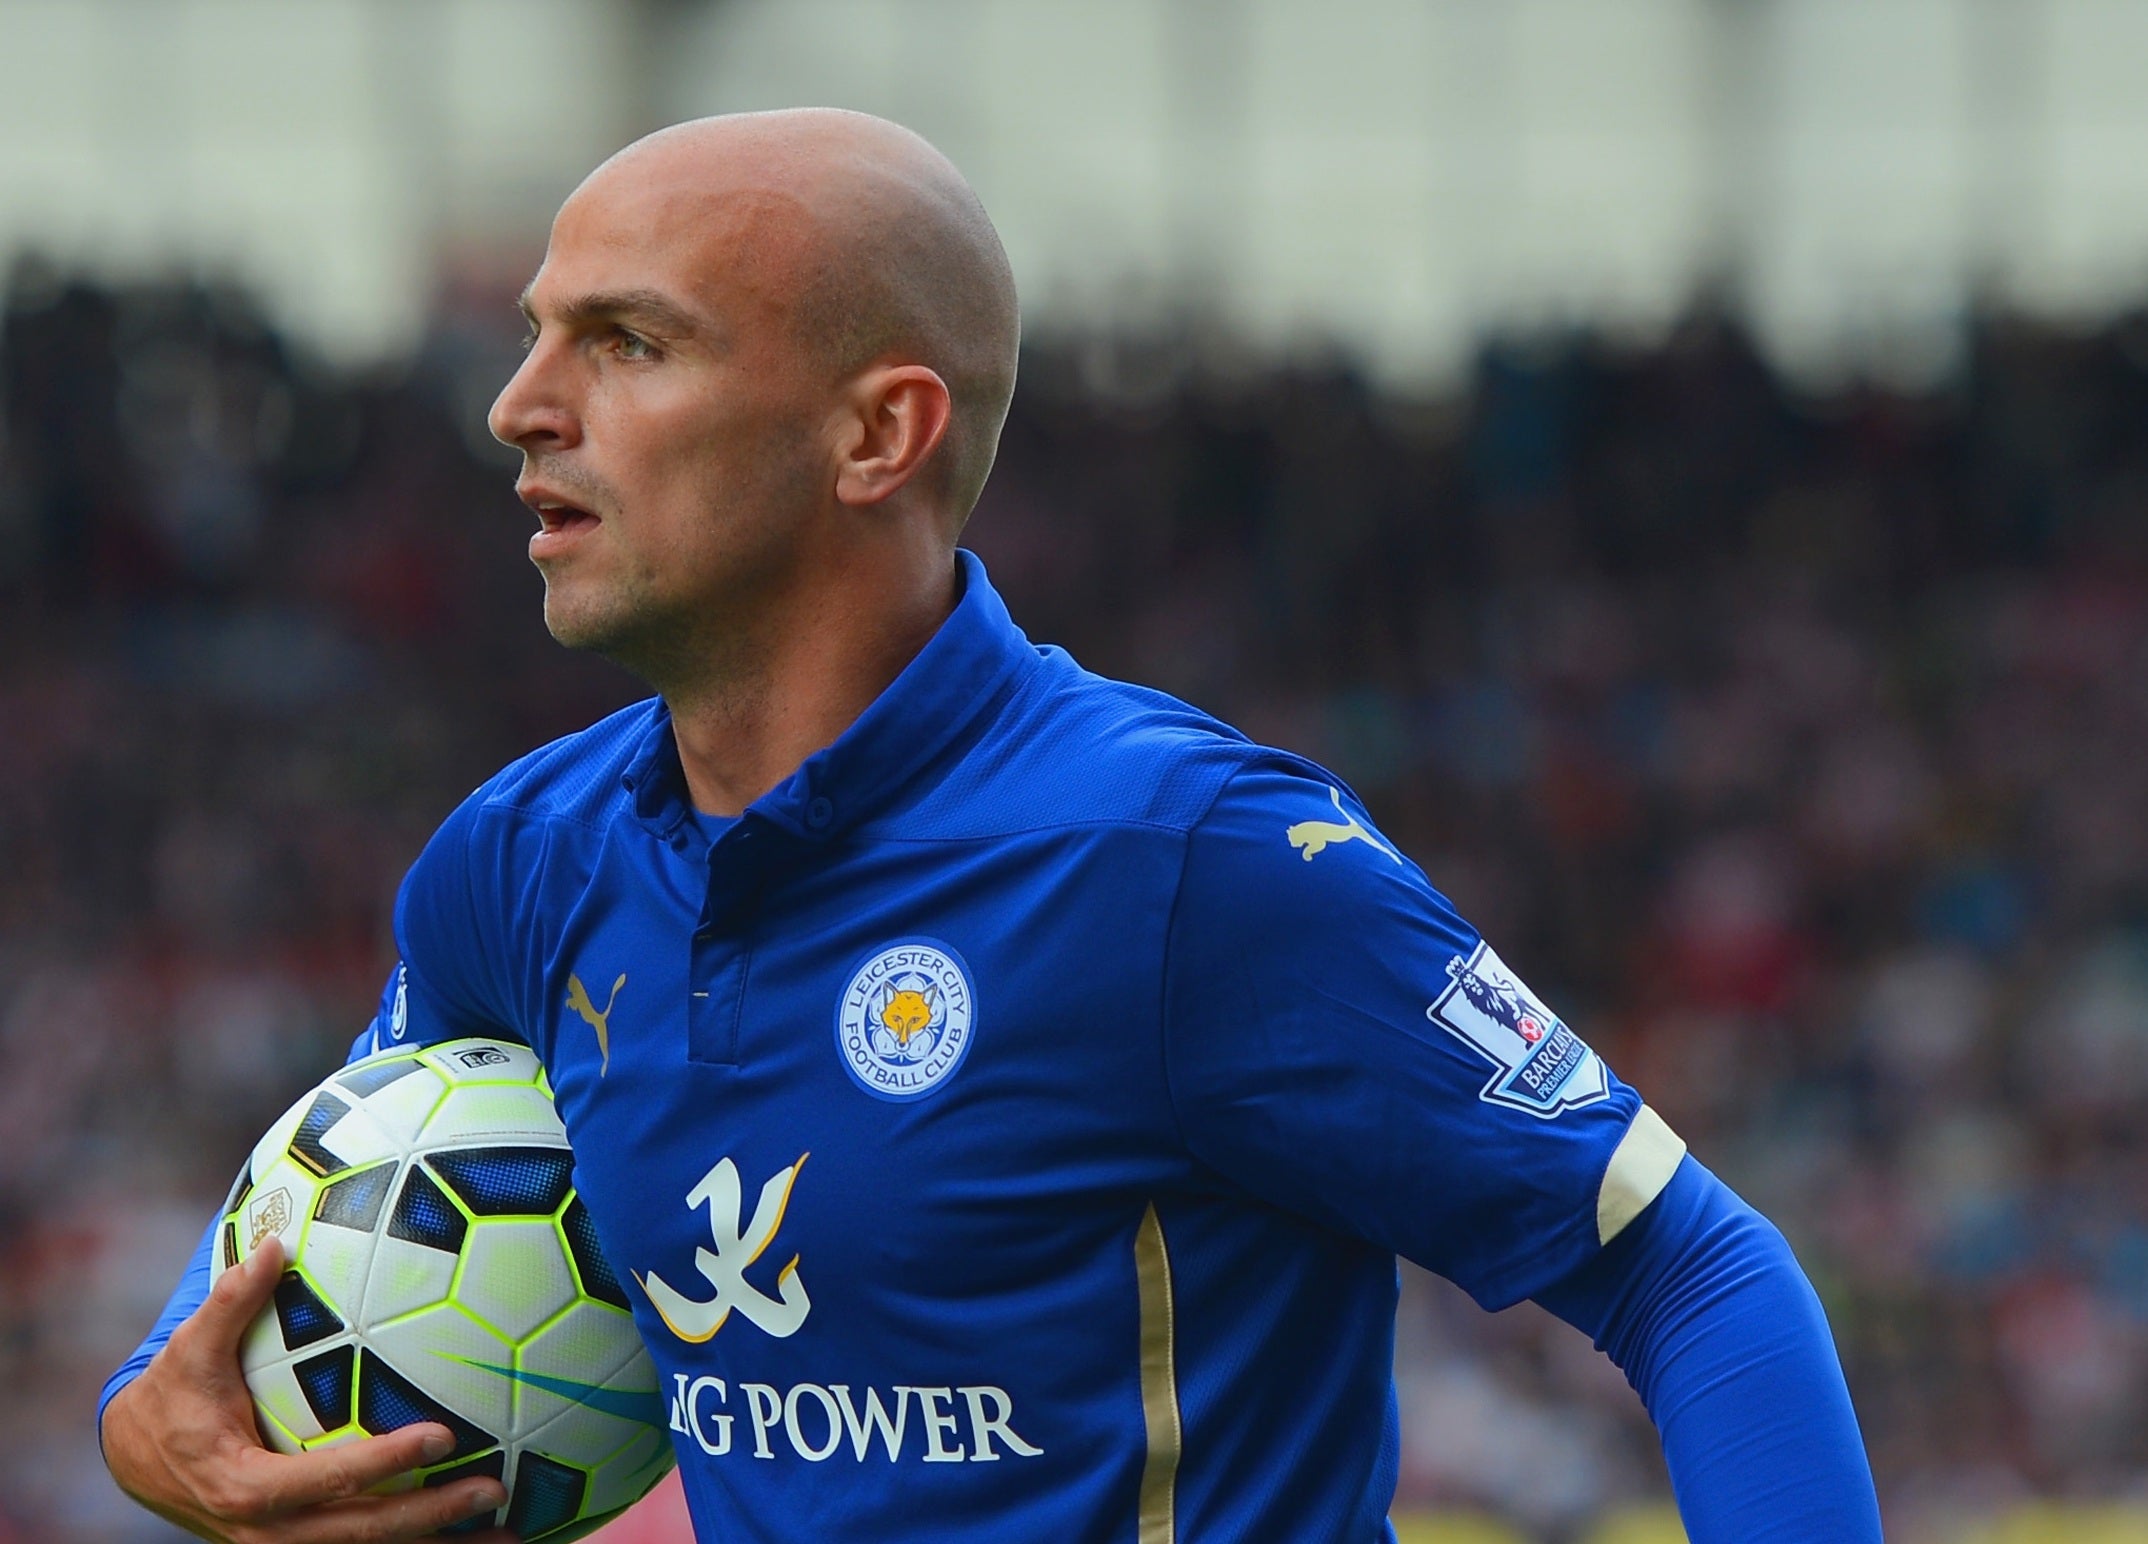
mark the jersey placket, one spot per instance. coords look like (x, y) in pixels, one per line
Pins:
(722, 946)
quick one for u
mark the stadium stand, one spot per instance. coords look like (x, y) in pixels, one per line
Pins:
(1796, 747)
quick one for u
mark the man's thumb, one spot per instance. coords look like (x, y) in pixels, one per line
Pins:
(237, 1298)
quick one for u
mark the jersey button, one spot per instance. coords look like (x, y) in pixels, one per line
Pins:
(819, 812)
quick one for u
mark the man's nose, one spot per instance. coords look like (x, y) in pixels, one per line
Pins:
(532, 409)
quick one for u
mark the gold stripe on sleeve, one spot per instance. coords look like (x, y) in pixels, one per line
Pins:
(1159, 1385)
(1643, 1163)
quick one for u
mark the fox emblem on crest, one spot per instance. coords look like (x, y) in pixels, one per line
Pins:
(910, 1019)
(907, 1013)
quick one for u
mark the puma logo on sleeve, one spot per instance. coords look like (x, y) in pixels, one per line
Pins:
(1313, 837)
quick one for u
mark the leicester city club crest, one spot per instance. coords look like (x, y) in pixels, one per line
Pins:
(1539, 1065)
(904, 1022)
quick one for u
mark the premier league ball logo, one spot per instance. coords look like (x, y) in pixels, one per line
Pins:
(903, 1024)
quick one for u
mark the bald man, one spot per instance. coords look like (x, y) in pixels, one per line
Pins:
(1127, 1053)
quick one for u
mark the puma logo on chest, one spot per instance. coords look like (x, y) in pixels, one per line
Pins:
(578, 999)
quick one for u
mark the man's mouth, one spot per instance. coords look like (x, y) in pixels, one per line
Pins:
(560, 524)
(555, 516)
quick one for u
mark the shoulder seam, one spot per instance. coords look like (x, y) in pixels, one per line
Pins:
(1163, 983)
(1098, 823)
(469, 898)
(501, 804)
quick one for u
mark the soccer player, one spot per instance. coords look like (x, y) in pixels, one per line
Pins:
(1008, 1089)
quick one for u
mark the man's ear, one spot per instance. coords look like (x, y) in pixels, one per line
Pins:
(895, 418)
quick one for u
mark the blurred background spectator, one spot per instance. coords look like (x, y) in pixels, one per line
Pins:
(1684, 461)
(1798, 744)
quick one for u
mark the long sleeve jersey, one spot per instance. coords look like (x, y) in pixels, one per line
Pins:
(1073, 1070)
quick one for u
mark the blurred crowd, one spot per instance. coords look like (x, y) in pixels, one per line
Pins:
(1793, 746)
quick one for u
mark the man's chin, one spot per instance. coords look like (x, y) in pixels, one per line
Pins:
(582, 627)
(629, 641)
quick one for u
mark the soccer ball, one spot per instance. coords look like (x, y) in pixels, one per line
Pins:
(441, 1268)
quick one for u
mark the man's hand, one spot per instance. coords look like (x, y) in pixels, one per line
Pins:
(181, 1440)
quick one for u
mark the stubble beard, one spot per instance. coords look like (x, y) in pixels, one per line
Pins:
(703, 651)
(631, 627)
(711, 644)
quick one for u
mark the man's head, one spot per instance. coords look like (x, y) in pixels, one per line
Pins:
(766, 349)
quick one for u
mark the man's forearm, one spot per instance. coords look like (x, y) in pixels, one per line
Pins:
(1702, 1305)
(192, 1289)
(188, 1295)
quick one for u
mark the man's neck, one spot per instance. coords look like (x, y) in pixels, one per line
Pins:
(743, 731)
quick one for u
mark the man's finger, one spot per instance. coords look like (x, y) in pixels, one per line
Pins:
(219, 1324)
(409, 1515)
(412, 1515)
(286, 1483)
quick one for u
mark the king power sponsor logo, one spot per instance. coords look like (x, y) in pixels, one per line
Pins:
(694, 1320)
(947, 1424)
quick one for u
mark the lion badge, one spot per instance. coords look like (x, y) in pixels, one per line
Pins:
(1538, 1065)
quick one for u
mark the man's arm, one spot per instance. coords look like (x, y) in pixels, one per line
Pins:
(176, 1420)
(1704, 1308)
(180, 1439)
(1380, 1070)
(193, 1288)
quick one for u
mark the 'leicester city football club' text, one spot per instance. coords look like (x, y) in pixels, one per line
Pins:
(904, 1022)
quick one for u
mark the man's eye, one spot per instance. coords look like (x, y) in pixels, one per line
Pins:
(634, 346)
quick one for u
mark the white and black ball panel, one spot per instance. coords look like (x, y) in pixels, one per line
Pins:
(405, 1278)
(586, 1335)
(507, 1180)
(591, 1268)
(367, 1078)
(287, 1421)
(338, 1261)
(569, 1429)
(401, 1107)
(616, 1481)
(388, 1401)
(454, 1356)
(327, 1379)
(511, 1111)
(262, 1345)
(424, 1215)
(276, 1141)
(516, 1277)
(353, 1200)
(441, 1268)
(468, 1062)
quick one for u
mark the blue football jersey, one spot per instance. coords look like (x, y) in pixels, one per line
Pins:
(1009, 1124)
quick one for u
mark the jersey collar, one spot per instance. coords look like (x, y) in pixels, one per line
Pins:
(975, 659)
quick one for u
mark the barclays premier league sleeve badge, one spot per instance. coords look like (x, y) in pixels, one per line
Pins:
(1540, 1066)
